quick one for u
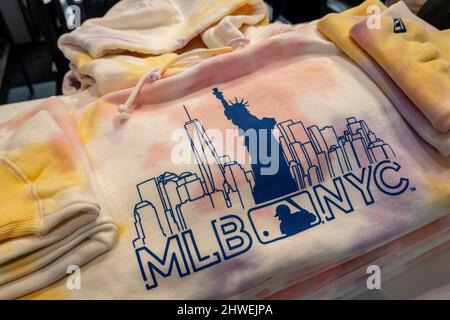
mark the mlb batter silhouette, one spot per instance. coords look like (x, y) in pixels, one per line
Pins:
(293, 223)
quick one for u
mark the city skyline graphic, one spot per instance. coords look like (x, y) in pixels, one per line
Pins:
(308, 155)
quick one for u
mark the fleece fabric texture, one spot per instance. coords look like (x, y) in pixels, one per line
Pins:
(237, 177)
(197, 216)
(112, 52)
(336, 27)
(51, 215)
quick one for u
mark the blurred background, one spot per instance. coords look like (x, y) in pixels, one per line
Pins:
(32, 67)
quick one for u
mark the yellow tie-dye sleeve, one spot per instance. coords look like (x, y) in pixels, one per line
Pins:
(32, 179)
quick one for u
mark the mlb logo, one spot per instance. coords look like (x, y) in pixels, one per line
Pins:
(283, 218)
(399, 27)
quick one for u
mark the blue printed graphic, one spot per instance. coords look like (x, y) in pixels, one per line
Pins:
(267, 186)
(307, 157)
(317, 154)
(291, 200)
(293, 222)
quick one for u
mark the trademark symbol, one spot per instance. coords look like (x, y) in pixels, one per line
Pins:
(412, 189)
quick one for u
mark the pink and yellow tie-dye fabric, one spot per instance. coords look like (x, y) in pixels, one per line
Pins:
(293, 77)
(413, 57)
(50, 212)
(336, 27)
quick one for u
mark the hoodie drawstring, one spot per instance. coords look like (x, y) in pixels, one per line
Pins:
(156, 74)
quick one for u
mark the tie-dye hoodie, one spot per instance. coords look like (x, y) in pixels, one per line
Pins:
(112, 52)
(52, 218)
(281, 158)
(393, 82)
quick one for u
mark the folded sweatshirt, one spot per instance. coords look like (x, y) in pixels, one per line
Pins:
(413, 57)
(336, 27)
(278, 158)
(50, 214)
(112, 52)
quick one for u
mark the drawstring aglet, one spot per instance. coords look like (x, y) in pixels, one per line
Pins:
(124, 112)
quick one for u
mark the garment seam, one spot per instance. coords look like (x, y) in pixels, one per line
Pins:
(31, 190)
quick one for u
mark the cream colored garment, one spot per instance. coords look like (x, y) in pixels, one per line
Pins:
(416, 59)
(413, 5)
(322, 103)
(336, 27)
(137, 35)
(52, 215)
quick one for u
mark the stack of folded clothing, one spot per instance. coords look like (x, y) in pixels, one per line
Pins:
(111, 53)
(51, 216)
(276, 168)
(406, 57)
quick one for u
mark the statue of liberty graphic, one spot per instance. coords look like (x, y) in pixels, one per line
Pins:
(262, 144)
